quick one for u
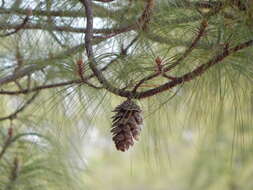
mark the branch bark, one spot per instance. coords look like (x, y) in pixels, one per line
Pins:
(195, 73)
(201, 31)
(10, 140)
(39, 64)
(76, 81)
(17, 27)
(141, 22)
(65, 28)
(14, 114)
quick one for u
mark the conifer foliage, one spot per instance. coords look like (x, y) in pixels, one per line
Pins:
(61, 60)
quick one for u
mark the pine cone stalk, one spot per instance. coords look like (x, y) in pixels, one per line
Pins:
(126, 125)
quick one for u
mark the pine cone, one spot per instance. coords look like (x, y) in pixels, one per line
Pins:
(126, 125)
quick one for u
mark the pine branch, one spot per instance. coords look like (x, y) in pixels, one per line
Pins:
(17, 28)
(199, 4)
(196, 72)
(14, 174)
(22, 72)
(20, 26)
(7, 142)
(38, 88)
(11, 139)
(187, 77)
(53, 27)
(39, 64)
(175, 42)
(76, 81)
(19, 110)
(201, 31)
(105, 1)
(208, 4)
(144, 19)
(89, 49)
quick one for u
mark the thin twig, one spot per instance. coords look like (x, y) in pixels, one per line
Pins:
(19, 27)
(7, 142)
(179, 80)
(145, 18)
(10, 140)
(53, 27)
(208, 4)
(39, 64)
(201, 31)
(14, 174)
(105, 1)
(196, 72)
(38, 88)
(14, 114)
(89, 49)
(76, 81)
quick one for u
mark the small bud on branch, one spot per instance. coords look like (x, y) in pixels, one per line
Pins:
(80, 68)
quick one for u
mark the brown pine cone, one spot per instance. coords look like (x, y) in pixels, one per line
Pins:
(126, 125)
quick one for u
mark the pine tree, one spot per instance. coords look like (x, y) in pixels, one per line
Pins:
(66, 62)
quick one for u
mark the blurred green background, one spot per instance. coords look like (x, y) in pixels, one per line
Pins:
(185, 144)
